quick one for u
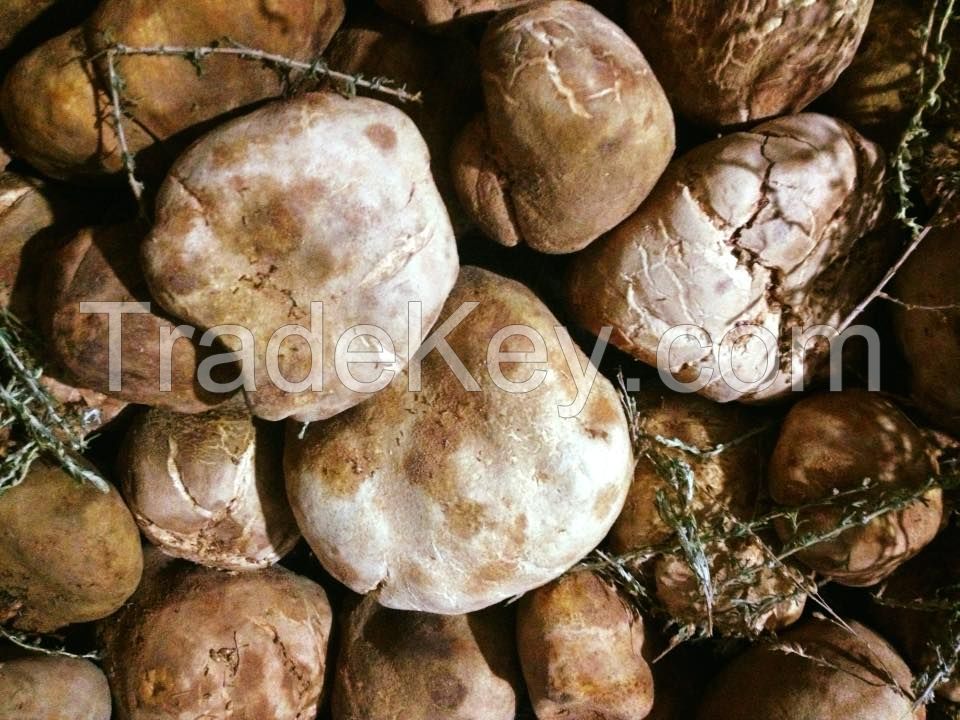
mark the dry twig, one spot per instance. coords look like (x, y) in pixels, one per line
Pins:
(316, 70)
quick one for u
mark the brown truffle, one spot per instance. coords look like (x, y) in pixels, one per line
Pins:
(421, 667)
(100, 265)
(836, 442)
(581, 649)
(196, 642)
(853, 675)
(727, 63)
(41, 687)
(68, 553)
(575, 133)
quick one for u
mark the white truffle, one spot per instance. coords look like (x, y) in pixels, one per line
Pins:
(757, 233)
(447, 500)
(315, 199)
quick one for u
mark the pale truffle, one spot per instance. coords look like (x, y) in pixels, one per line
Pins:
(745, 240)
(448, 500)
(317, 199)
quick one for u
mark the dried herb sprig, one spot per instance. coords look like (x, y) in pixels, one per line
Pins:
(920, 235)
(696, 538)
(49, 429)
(120, 109)
(931, 76)
(860, 505)
(676, 510)
(800, 651)
(904, 167)
(944, 646)
(317, 70)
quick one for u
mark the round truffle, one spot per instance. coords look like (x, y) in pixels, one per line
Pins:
(68, 553)
(727, 63)
(878, 92)
(209, 487)
(197, 642)
(420, 666)
(27, 213)
(575, 134)
(581, 649)
(746, 241)
(929, 332)
(33, 218)
(854, 675)
(38, 687)
(750, 592)
(836, 442)
(252, 232)
(722, 445)
(100, 267)
(51, 108)
(447, 499)
(914, 608)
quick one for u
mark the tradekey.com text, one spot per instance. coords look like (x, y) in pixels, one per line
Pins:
(367, 350)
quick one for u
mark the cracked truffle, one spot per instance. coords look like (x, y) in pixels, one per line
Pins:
(575, 133)
(747, 239)
(725, 63)
(317, 213)
(209, 487)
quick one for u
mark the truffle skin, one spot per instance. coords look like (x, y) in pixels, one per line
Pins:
(725, 63)
(575, 134)
(581, 649)
(68, 553)
(834, 442)
(857, 679)
(41, 687)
